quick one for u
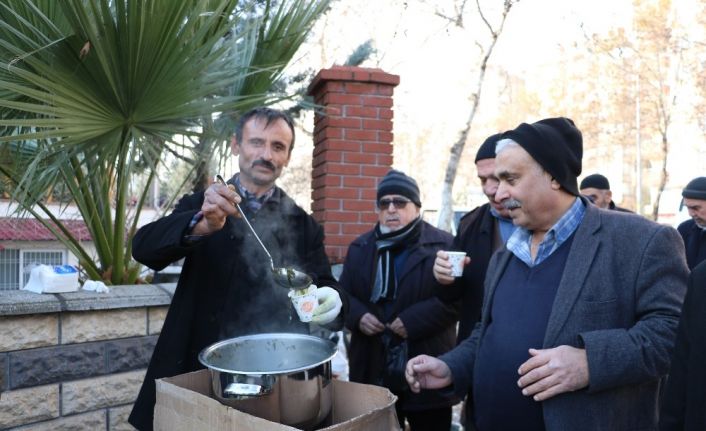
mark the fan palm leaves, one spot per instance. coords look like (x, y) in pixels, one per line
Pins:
(93, 90)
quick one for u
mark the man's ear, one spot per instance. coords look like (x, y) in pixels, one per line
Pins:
(555, 184)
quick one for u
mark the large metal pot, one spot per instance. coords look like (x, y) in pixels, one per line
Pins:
(280, 377)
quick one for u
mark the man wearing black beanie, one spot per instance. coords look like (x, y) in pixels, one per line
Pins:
(693, 231)
(480, 233)
(597, 188)
(387, 274)
(581, 305)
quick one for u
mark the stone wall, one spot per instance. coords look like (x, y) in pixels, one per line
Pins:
(75, 361)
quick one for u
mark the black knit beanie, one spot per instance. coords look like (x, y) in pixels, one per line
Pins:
(487, 148)
(696, 189)
(397, 183)
(556, 144)
(595, 181)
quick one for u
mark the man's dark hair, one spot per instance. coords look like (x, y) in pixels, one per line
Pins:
(269, 115)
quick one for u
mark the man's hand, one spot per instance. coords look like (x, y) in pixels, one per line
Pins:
(551, 372)
(427, 372)
(329, 305)
(398, 327)
(442, 267)
(370, 325)
(218, 203)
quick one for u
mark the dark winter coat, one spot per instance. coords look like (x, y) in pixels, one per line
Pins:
(226, 287)
(684, 400)
(694, 241)
(430, 324)
(475, 236)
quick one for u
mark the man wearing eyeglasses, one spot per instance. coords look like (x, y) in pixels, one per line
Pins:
(388, 277)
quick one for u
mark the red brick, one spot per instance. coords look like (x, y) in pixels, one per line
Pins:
(326, 181)
(357, 205)
(371, 194)
(361, 88)
(343, 99)
(346, 123)
(356, 228)
(386, 114)
(375, 171)
(361, 135)
(342, 240)
(382, 148)
(326, 205)
(384, 159)
(370, 159)
(328, 133)
(334, 87)
(368, 218)
(361, 75)
(377, 125)
(357, 111)
(381, 101)
(341, 216)
(347, 193)
(385, 90)
(362, 182)
(333, 228)
(333, 111)
(385, 78)
(336, 145)
(385, 137)
(328, 156)
(343, 169)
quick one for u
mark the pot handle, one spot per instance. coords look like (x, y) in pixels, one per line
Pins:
(245, 390)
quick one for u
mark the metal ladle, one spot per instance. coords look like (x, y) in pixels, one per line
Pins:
(285, 277)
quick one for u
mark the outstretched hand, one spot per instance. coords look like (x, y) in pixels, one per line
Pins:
(427, 372)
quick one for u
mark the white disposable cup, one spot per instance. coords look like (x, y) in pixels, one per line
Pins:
(456, 259)
(305, 305)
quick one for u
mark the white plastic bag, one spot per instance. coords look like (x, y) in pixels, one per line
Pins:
(52, 279)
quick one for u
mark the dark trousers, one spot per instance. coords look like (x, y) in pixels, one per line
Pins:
(426, 420)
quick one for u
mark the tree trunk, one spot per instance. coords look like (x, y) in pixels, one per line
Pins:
(445, 221)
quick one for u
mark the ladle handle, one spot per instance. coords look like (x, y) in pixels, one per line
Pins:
(272, 262)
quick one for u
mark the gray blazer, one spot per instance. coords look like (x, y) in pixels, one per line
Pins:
(619, 298)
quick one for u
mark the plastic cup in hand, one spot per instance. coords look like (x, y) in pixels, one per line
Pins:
(456, 259)
(304, 304)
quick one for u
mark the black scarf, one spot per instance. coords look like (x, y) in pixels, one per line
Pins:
(386, 247)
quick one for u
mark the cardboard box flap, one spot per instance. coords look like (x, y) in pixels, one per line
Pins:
(184, 403)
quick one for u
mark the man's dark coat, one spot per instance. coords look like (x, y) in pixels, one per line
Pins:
(430, 324)
(684, 399)
(694, 241)
(475, 236)
(226, 287)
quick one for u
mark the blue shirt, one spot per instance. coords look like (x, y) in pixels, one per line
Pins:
(506, 226)
(521, 240)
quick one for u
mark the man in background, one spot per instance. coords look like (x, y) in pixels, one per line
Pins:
(597, 188)
(480, 233)
(581, 305)
(693, 231)
(387, 275)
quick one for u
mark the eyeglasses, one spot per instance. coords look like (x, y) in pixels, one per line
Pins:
(398, 203)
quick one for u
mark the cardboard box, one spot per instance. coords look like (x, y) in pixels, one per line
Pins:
(185, 403)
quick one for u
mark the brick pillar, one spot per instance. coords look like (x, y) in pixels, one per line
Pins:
(352, 150)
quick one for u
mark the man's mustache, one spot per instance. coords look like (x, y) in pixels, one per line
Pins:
(265, 163)
(511, 204)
